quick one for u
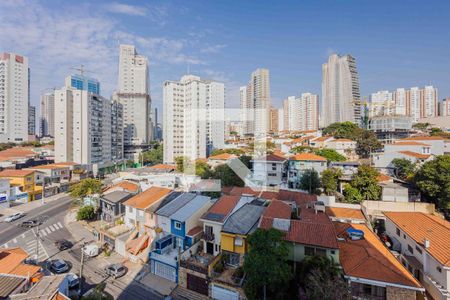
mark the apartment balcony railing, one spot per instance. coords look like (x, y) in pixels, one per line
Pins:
(208, 236)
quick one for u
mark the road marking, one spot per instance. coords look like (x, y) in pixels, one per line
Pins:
(48, 230)
(14, 241)
(60, 225)
(52, 228)
(43, 232)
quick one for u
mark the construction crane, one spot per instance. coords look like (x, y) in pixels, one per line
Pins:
(80, 69)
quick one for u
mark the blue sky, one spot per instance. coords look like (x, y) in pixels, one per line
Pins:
(396, 43)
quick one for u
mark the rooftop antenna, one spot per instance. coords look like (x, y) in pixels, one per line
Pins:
(80, 69)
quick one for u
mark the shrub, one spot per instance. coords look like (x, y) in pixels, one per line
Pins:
(86, 213)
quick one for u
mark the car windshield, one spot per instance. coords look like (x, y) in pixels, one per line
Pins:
(59, 264)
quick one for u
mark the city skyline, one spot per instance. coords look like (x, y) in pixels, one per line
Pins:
(387, 59)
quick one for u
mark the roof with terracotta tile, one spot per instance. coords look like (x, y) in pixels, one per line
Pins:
(308, 157)
(15, 173)
(278, 209)
(17, 152)
(343, 140)
(163, 167)
(222, 156)
(345, 213)
(423, 138)
(409, 143)
(49, 167)
(148, 197)
(383, 177)
(271, 157)
(194, 231)
(67, 163)
(125, 185)
(322, 138)
(421, 226)
(415, 154)
(285, 195)
(11, 262)
(369, 259)
(220, 210)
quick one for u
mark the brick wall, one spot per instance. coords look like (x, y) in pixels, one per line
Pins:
(395, 293)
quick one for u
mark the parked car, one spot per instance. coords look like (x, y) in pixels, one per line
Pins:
(73, 280)
(14, 217)
(59, 266)
(63, 245)
(91, 250)
(116, 270)
(30, 223)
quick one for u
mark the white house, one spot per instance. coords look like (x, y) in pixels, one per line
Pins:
(220, 159)
(345, 147)
(300, 163)
(416, 152)
(424, 242)
(269, 170)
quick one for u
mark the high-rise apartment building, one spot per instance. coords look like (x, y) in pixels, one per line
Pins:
(14, 98)
(415, 103)
(301, 113)
(340, 90)
(31, 121)
(273, 119)
(81, 82)
(88, 127)
(47, 120)
(258, 95)
(281, 120)
(248, 126)
(193, 117)
(445, 107)
(133, 94)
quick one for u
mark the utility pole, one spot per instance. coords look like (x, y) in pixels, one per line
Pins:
(81, 270)
(37, 242)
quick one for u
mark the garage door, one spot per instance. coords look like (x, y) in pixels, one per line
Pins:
(197, 284)
(221, 293)
(163, 270)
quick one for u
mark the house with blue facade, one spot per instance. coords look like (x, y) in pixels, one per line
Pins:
(179, 228)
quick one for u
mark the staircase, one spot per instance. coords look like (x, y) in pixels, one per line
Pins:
(181, 293)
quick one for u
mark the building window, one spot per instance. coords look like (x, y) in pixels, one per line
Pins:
(410, 249)
(177, 225)
(398, 231)
(309, 251)
(439, 269)
(418, 249)
(238, 241)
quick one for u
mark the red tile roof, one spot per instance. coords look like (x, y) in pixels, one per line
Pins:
(148, 197)
(322, 138)
(345, 213)
(194, 231)
(342, 140)
(222, 208)
(407, 143)
(285, 195)
(278, 209)
(369, 259)
(423, 138)
(15, 173)
(308, 157)
(16, 152)
(415, 154)
(222, 156)
(420, 226)
(125, 185)
(383, 178)
(163, 167)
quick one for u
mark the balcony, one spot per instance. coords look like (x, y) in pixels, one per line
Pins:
(207, 236)
(434, 287)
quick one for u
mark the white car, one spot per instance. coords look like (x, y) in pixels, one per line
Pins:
(14, 217)
(91, 250)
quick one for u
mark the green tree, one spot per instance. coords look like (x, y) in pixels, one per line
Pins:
(86, 213)
(330, 179)
(330, 154)
(352, 195)
(404, 168)
(433, 181)
(227, 176)
(366, 143)
(183, 163)
(301, 149)
(154, 156)
(86, 187)
(246, 160)
(365, 181)
(310, 181)
(203, 170)
(229, 151)
(343, 130)
(266, 266)
(421, 126)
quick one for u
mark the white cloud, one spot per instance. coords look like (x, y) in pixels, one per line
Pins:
(126, 9)
(212, 49)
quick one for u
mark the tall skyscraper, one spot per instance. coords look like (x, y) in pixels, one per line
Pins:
(31, 121)
(81, 82)
(133, 94)
(88, 129)
(381, 104)
(246, 112)
(14, 98)
(340, 90)
(301, 113)
(273, 119)
(47, 120)
(193, 117)
(258, 95)
(445, 107)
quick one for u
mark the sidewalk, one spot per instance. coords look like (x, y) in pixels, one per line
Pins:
(76, 229)
(29, 206)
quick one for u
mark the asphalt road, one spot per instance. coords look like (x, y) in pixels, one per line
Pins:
(9, 231)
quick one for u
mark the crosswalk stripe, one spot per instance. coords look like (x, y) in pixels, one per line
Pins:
(52, 228)
(48, 230)
(43, 233)
(60, 225)
(31, 242)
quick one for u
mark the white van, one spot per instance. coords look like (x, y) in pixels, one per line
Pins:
(91, 250)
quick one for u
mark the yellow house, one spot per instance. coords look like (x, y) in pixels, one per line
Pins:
(25, 180)
(236, 230)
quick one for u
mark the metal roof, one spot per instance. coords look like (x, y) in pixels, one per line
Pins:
(9, 283)
(190, 208)
(244, 219)
(175, 204)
